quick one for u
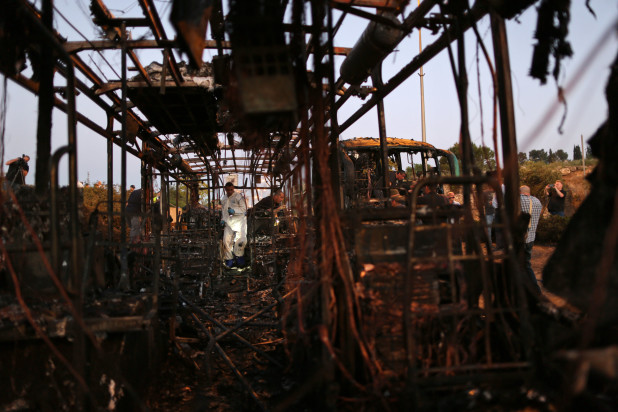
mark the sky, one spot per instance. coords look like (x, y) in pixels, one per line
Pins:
(537, 113)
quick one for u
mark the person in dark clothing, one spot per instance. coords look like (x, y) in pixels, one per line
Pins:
(557, 197)
(132, 212)
(273, 202)
(436, 202)
(431, 198)
(397, 181)
(260, 215)
(18, 169)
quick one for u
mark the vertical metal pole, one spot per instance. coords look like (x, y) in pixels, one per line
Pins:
(178, 225)
(462, 86)
(123, 157)
(164, 202)
(334, 123)
(54, 219)
(147, 192)
(76, 277)
(110, 182)
(422, 80)
(507, 116)
(318, 134)
(376, 77)
(421, 75)
(46, 105)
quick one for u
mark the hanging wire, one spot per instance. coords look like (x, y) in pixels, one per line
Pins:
(5, 93)
(126, 10)
(98, 68)
(86, 39)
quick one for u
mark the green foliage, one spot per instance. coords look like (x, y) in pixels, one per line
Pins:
(96, 198)
(577, 152)
(589, 154)
(578, 163)
(484, 157)
(522, 157)
(539, 155)
(182, 195)
(537, 175)
(410, 172)
(562, 155)
(445, 170)
(550, 229)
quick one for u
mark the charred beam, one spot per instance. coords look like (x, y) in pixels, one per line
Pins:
(46, 104)
(378, 4)
(159, 32)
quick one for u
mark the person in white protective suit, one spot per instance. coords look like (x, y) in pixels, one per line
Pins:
(233, 216)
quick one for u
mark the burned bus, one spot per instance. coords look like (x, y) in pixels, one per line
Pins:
(362, 170)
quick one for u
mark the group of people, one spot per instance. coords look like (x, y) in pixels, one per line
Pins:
(234, 219)
(529, 205)
(532, 206)
(234, 210)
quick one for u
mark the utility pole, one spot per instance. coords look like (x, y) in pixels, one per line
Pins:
(420, 49)
(421, 75)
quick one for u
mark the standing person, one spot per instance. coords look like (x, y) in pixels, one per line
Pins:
(490, 210)
(233, 217)
(18, 169)
(557, 197)
(133, 215)
(532, 206)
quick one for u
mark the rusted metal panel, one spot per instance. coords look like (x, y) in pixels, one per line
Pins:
(381, 243)
(190, 19)
(186, 110)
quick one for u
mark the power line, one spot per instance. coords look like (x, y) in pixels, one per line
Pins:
(85, 38)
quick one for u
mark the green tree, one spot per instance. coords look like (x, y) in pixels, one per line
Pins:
(577, 152)
(589, 154)
(182, 195)
(484, 157)
(551, 157)
(538, 155)
(410, 172)
(562, 155)
(537, 175)
(522, 157)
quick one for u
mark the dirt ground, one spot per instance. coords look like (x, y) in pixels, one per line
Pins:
(540, 255)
